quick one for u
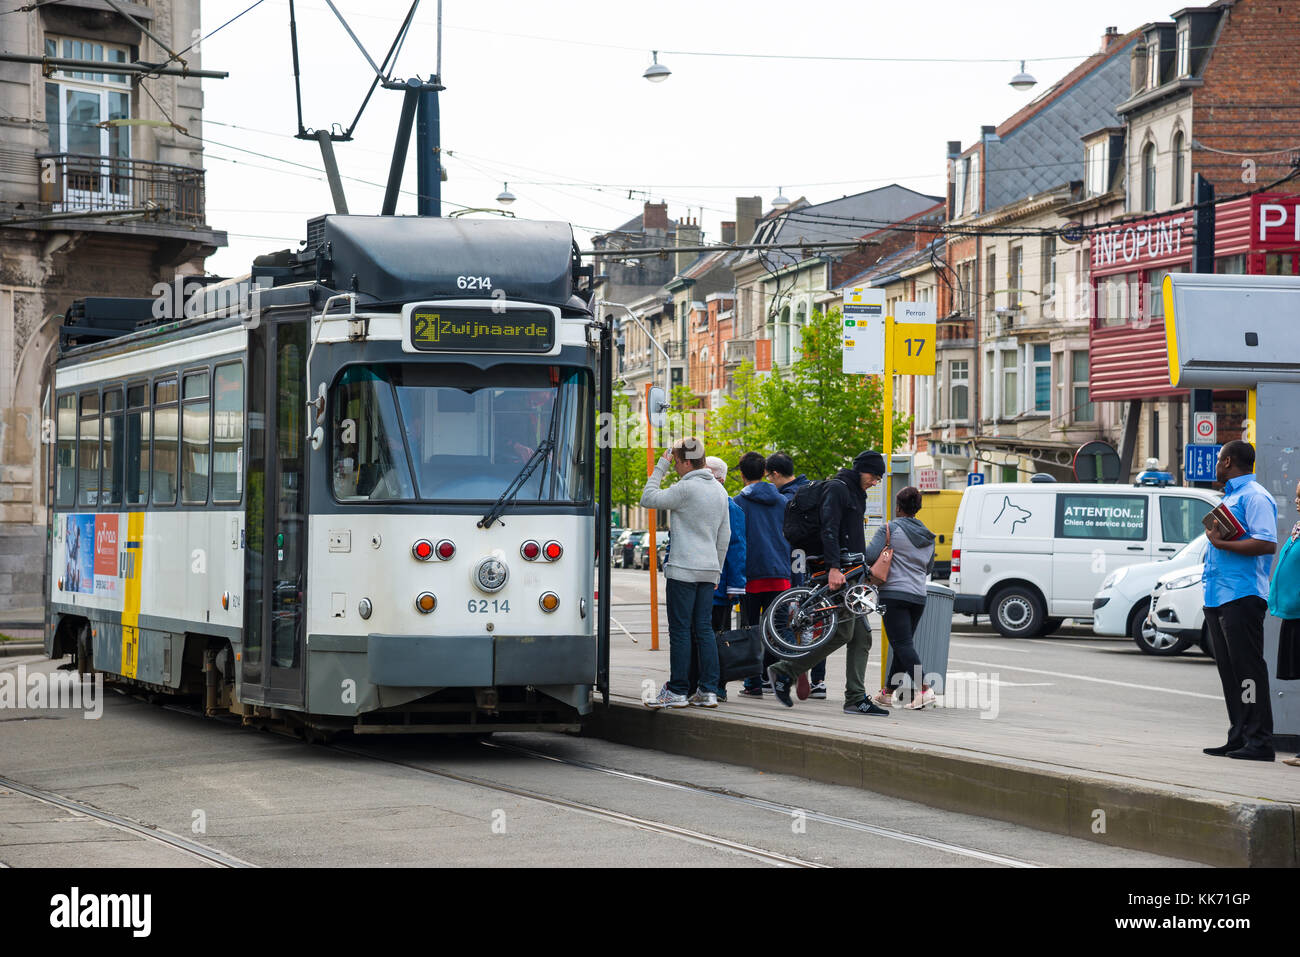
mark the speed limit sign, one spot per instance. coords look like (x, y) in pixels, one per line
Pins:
(1204, 427)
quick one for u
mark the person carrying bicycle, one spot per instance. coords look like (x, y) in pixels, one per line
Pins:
(843, 506)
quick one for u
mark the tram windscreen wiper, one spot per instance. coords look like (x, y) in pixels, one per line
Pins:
(544, 449)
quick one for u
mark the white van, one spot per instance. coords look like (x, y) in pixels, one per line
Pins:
(1030, 555)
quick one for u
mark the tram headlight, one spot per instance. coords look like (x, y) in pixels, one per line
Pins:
(549, 601)
(491, 574)
(364, 608)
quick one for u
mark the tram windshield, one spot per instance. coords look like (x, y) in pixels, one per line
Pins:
(454, 433)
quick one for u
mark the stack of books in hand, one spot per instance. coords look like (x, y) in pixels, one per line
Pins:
(1221, 518)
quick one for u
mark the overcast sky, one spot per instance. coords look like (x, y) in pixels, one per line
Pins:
(549, 96)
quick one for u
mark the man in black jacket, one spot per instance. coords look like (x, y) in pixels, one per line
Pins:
(843, 507)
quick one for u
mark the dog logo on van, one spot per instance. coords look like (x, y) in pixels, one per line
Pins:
(1018, 515)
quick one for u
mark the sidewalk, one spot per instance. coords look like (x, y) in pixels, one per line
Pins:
(1102, 756)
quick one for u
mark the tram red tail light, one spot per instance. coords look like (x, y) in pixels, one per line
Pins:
(552, 551)
(530, 550)
(446, 549)
(422, 549)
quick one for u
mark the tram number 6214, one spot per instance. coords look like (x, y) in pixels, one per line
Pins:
(473, 282)
(482, 606)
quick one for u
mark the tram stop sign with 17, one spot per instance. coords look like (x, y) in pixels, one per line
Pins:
(914, 335)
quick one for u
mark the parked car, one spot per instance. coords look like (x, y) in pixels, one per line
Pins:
(1030, 555)
(1178, 610)
(642, 555)
(625, 548)
(1123, 605)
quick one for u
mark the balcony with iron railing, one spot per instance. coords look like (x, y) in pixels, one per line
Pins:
(98, 185)
(736, 351)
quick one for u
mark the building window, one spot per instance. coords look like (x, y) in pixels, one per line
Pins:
(1231, 265)
(1184, 51)
(1155, 304)
(990, 280)
(1153, 64)
(1084, 411)
(1179, 167)
(1010, 383)
(78, 110)
(1117, 299)
(1040, 367)
(1149, 177)
(1097, 163)
(1015, 277)
(958, 390)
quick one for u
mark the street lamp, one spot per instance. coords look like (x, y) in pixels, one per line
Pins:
(656, 72)
(505, 197)
(1022, 80)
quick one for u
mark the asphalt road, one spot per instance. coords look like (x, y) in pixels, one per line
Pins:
(237, 796)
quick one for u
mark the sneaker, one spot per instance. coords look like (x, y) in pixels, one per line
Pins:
(767, 685)
(781, 687)
(802, 688)
(865, 707)
(722, 697)
(818, 691)
(666, 699)
(703, 699)
(752, 692)
(884, 697)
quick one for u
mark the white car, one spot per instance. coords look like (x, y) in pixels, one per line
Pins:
(1178, 610)
(1123, 604)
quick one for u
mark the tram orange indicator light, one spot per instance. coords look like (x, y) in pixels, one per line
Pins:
(446, 549)
(425, 602)
(530, 550)
(422, 549)
(549, 601)
(553, 550)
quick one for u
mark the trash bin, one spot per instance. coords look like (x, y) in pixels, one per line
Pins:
(932, 633)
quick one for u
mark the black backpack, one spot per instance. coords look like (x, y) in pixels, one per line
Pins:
(803, 523)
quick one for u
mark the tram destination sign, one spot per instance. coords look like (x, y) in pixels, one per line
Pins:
(458, 329)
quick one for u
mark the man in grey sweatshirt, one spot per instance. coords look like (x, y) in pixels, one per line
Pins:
(701, 530)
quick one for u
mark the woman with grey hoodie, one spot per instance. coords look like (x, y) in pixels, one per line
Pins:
(904, 596)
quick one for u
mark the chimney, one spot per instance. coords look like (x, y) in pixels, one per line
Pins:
(655, 216)
(1110, 36)
(748, 211)
(688, 234)
(986, 131)
(728, 232)
(1137, 69)
(954, 153)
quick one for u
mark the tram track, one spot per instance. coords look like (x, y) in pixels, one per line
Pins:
(617, 817)
(147, 831)
(784, 809)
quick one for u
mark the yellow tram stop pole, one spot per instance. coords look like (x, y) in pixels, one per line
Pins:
(888, 441)
(652, 545)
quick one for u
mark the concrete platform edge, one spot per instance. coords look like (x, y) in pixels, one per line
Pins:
(1173, 823)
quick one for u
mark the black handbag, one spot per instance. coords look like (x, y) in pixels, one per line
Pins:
(740, 653)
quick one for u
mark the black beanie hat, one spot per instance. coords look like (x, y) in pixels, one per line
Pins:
(869, 461)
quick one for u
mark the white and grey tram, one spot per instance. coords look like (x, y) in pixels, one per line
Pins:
(354, 490)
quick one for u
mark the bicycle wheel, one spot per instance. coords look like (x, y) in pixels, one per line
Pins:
(797, 623)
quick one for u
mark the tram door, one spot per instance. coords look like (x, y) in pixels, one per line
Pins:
(275, 566)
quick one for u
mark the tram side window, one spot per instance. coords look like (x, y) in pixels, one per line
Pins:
(228, 433)
(65, 482)
(165, 438)
(195, 453)
(88, 450)
(369, 456)
(111, 449)
(136, 452)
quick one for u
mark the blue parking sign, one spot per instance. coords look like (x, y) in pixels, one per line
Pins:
(1199, 462)
(974, 478)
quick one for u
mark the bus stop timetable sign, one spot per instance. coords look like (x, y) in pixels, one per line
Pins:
(435, 328)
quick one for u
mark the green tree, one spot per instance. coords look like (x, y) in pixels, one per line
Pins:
(818, 415)
(740, 424)
(627, 455)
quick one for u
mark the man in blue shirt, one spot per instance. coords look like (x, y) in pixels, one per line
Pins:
(1236, 599)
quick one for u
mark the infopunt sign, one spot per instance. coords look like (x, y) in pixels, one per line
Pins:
(1144, 243)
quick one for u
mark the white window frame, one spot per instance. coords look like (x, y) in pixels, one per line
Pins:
(1183, 48)
(1153, 64)
(953, 382)
(1028, 393)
